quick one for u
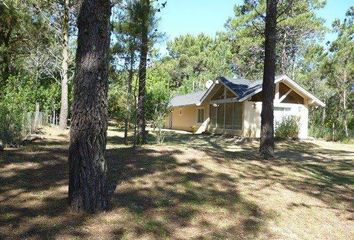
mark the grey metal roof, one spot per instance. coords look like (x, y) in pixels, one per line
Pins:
(242, 87)
(188, 99)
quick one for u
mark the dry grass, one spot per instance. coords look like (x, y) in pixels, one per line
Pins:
(192, 187)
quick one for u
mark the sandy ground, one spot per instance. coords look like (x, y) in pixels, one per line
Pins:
(190, 187)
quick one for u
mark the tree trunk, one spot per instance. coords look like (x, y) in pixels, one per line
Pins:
(345, 117)
(63, 117)
(267, 116)
(36, 118)
(130, 80)
(142, 75)
(136, 116)
(324, 115)
(88, 184)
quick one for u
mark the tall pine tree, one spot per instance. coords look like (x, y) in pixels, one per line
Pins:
(88, 186)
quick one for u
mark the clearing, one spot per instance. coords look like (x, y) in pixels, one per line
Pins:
(191, 187)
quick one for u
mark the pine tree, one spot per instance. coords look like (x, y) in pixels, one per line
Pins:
(267, 116)
(88, 186)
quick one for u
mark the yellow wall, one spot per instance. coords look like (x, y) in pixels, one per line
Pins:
(188, 118)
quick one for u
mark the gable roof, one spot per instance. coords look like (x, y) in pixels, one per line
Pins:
(296, 87)
(242, 88)
(188, 99)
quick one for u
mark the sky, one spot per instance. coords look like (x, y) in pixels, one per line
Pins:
(209, 16)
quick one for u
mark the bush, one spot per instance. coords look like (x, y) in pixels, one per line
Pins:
(287, 128)
(11, 123)
(16, 100)
(330, 134)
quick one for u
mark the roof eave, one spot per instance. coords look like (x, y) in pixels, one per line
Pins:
(206, 94)
(301, 89)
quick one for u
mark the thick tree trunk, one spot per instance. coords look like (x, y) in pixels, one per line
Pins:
(130, 80)
(88, 186)
(267, 116)
(63, 116)
(142, 75)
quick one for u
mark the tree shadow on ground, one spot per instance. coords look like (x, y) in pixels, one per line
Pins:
(327, 173)
(165, 191)
(169, 193)
(33, 200)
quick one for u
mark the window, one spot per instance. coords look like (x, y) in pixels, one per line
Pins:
(282, 109)
(231, 112)
(237, 116)
(180, 111)
(213, 112)
(228, 115)
(200, 115)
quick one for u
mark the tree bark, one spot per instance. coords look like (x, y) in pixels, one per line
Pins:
(267, 116)
(63, 116)
(142, 74)
(88, 184)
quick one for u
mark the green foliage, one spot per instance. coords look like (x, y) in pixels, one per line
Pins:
(331, 78)
(287, 128)
(11, 123)
(158, 93)
(117, 95)
(19, 98)
(192, 60)
(297, 26)
(16, 101)
(331, 134)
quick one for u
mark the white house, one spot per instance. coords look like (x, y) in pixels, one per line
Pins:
(233, 106)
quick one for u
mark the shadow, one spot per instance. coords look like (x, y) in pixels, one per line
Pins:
(167, 192)
(327, 173)
(156, 192)
(189, 186)
(33, 203)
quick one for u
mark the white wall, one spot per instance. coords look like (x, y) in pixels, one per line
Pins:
(251, 126)
(252, 117)
(298, 110)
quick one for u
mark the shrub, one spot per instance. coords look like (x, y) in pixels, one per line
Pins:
(10, 126)
(287, 128)
(159, 118)
(330, 134)
(16, 99)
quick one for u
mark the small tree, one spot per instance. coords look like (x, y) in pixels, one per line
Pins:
(159, 118)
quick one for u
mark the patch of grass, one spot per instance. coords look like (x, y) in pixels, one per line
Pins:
(156, 227)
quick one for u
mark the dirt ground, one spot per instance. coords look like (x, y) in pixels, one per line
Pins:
(190, 187)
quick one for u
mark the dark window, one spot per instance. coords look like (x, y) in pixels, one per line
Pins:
(220, 116)
(213, 112)
(200, 115)
(237, 116)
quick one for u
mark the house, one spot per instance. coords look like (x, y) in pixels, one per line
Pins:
(233, 106)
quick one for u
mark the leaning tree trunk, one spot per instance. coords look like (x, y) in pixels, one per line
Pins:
(142, 76)
(63, 116)
(267, 116)
(88, 184)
